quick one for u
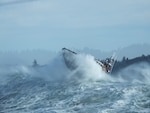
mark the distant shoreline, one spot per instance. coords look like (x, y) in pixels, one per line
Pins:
(119, 65)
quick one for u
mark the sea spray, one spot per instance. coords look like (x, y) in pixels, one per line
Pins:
(89, 69)
(135, 73)
(53, 88)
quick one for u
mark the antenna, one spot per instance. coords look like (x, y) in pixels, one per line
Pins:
(113, 60)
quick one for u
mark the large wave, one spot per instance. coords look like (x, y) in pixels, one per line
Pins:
(53, 88)
(56, 70)
(87, 70)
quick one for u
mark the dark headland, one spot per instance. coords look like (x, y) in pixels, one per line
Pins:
(119, 65)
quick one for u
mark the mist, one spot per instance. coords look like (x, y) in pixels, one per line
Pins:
(26, 57)
(52, 67)
(136, 73)
(14, 58)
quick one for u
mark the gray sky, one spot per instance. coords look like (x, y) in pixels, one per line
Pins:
(53, 24)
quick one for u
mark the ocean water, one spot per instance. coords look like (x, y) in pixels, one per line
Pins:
(53, 88)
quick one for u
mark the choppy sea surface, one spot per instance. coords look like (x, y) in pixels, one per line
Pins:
(55, 89)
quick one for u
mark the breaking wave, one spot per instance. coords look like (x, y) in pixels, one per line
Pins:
(87, 70)
(53, 88)
(56, 70)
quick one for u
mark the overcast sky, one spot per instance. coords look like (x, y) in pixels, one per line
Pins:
(53, 24)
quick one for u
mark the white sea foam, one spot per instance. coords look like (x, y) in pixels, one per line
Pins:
(87, 69)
